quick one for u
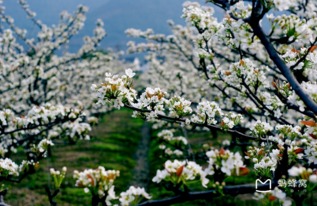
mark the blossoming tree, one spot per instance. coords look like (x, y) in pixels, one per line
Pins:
(45, 89)
(251, 74)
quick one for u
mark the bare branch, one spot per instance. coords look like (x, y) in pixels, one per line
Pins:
(232, 190)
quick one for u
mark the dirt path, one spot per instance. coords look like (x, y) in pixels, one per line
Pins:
(141, 170)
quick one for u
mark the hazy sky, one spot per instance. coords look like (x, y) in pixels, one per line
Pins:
(118, 15)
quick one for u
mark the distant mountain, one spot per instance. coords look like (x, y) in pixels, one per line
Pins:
(118, 15)
(141, 14)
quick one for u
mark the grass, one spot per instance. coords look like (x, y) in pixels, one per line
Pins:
(113, 145)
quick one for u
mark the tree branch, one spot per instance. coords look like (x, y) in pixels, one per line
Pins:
(232, 190)
(286, 72)
(216, 127)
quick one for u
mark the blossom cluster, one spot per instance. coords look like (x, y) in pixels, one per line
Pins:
(58, 176)
(304, 173)
(170, 144)
(115, 90)
(245, 72)
(282, 5)
(180, 172)
(264, 161)
(297, 28)
(310, 88)
(241, 10)
(211, 113)
(15, 129)
(100, 182)
(260, 129)
(37, 116)
(200, 17)
(9, 168)
(132, 196)
(275, 195)
(226, 162)
(179, 107)
(97, 181)
(40, 118)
